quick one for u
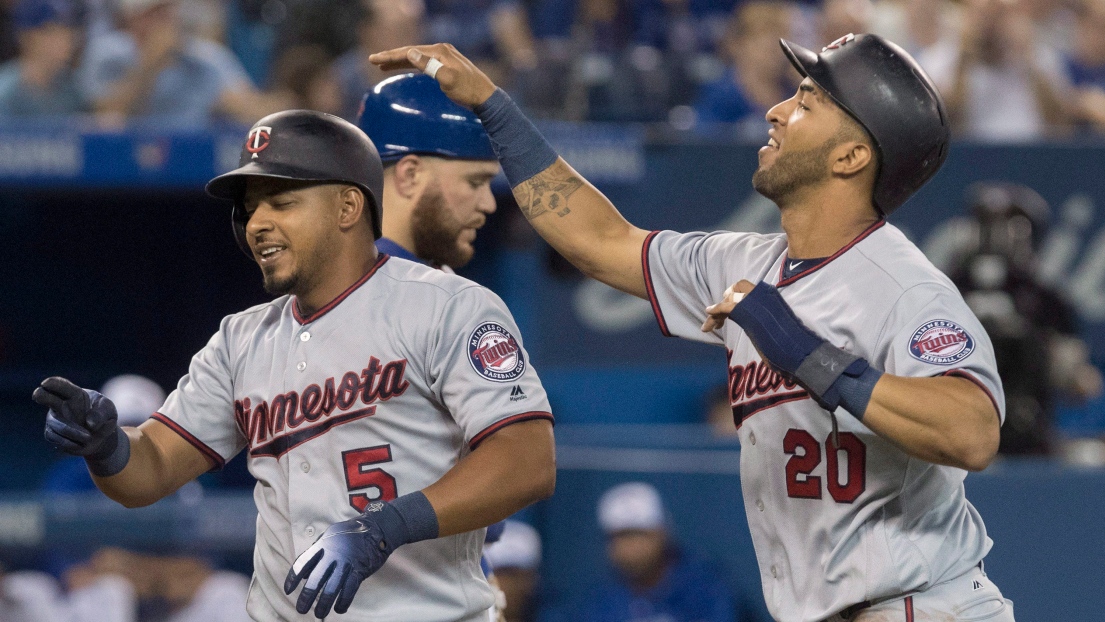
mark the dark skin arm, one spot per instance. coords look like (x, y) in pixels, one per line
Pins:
(508, 471)
(161, 461)
(943, 419)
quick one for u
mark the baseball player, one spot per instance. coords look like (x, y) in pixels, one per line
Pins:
(863, 387)
(438, 167)
(373, 399)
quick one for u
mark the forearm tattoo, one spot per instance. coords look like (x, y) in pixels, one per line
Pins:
(547, 192)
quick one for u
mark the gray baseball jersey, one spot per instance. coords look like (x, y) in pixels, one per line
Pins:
(376, 395)
(835, 525)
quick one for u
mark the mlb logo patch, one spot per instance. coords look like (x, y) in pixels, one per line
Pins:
(941, 342)
(495, 353)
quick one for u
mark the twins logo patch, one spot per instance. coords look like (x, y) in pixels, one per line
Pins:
(941, 342)
(495, 354)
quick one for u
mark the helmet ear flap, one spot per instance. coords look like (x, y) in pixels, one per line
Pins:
(238, 220)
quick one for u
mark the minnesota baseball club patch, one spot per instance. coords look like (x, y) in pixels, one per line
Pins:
(941, 342)
(495, 353)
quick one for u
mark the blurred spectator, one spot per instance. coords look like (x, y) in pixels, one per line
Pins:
(28, 596)
(160, 588)
(916, 25)
(840, 17)
(385, 24)
(40, 82)
(1000, 80)
(1086, 66)
(1033, 328)
(304, 74)
(155, 70)
(331, 24)
(31, 596)
(758, 76)
(494, 34)
(655, 580)
(516, 558)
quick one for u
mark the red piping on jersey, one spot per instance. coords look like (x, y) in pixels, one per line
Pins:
(502, 423)
(908, 609)
(335, 302)
(212, 455)
(812, 269)
(648, 285)
(962, 373)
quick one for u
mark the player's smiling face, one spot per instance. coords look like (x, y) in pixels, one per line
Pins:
(800, 143)
(454, 204)
(292, 230)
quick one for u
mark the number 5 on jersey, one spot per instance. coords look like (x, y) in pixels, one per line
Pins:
(379, 483)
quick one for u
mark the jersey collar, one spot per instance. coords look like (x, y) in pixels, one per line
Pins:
(391, 247)
(380, 260)
(814, 268)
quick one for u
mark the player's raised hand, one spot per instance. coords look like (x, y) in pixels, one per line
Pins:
(79, 421)
(459, 78)
(717, 313)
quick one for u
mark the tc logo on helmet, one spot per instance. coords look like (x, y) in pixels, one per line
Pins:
(258, 139)
(839, 42)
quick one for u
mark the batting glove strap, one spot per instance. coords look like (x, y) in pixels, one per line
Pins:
(112, 456)
(409, 518)
(521, 149)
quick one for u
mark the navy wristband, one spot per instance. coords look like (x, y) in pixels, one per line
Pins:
(409, 518)
(521, 149)
(112, 457)
(855, 391)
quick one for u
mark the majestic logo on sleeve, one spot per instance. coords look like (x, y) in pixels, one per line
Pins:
(274, 427)
(755, 386)
(495, 353)
(941, 342)
(258, 140)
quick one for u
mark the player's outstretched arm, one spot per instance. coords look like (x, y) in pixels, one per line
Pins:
(134, 466)
(565, 209)
(943, 419)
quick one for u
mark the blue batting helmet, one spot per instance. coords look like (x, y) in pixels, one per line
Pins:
(409, 114)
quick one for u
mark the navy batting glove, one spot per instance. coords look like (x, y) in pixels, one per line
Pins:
(351, 551)
(84, 423)
(832, 376)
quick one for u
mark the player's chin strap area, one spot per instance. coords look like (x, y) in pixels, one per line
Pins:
(833, 377)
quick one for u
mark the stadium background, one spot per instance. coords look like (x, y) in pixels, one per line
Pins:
(114, 261)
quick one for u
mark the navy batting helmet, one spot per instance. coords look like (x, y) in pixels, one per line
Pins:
(304, 145)
(886, 91)
(409, 114)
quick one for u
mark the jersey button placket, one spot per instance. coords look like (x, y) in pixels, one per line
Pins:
(304, 337)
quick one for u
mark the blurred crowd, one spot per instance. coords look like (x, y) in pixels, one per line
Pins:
(1009, 70)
